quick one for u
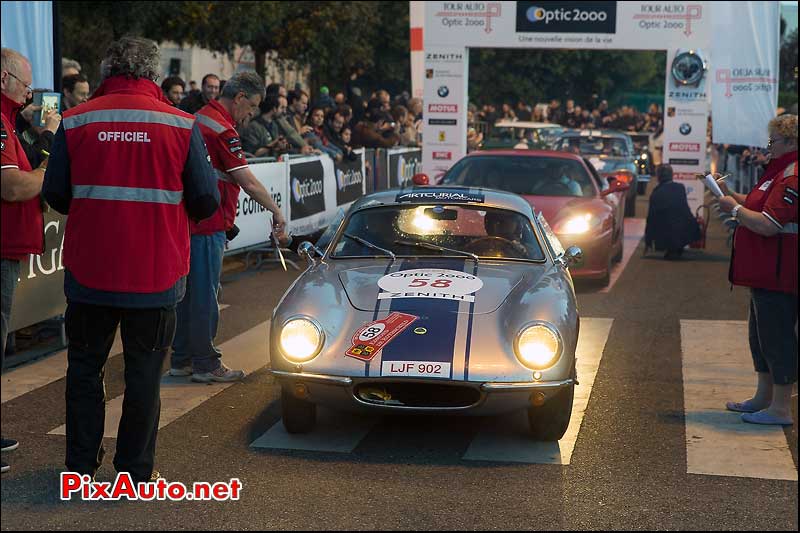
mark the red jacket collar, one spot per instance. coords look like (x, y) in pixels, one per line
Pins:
(777, 166)
(126, 85)
(219, 108)
(9, 108)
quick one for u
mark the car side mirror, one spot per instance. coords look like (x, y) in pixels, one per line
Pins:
(308, 251)
(420, 179)
(573, 256)
(615, 186)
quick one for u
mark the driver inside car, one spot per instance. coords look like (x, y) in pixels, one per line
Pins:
(506, 227)
(564, 184)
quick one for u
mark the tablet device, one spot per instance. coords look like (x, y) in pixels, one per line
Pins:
(48, 101)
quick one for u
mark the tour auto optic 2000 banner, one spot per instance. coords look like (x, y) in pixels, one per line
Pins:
(744, 80)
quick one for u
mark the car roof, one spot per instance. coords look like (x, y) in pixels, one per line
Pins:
(423, 196)
(526, 153)
(523, 124)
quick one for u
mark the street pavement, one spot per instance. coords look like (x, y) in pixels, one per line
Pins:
(650, 445)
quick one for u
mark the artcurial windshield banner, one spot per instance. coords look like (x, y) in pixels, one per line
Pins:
(549, 24)
(744, 78)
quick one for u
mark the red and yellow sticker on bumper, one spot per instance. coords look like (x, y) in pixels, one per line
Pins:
(373, 336)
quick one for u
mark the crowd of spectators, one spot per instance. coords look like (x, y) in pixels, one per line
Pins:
(595, 113)
(292, 121)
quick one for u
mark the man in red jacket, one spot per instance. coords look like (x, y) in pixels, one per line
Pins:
(22, 224)
(194, 353)
(130, 170)
(764, 258)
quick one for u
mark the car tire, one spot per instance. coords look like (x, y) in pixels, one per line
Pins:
(299, 416)
(550, 421)
(618, 256)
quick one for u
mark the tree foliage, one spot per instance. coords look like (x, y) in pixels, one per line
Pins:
(500, 75)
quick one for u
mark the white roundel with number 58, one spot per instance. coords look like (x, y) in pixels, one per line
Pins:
(372, 331)
(431, 280)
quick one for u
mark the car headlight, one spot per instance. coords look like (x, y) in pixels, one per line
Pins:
(301, 340)
(538, 346)
(578, 224)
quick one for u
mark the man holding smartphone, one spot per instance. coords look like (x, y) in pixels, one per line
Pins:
(22, 224)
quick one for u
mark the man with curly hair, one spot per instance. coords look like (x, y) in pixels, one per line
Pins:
(130, 170)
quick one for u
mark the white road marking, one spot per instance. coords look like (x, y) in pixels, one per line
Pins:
(335, 432)
(41, 372)
(717, 367)
(508, 439)
(248, 351)
(634, 231)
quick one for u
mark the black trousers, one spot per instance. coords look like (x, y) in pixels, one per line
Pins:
(773, 341)
(146, 335)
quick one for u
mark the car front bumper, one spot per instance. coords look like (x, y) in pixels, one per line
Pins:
(347, 393)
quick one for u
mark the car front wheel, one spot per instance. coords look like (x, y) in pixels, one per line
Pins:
(550, 421)
(299, 416)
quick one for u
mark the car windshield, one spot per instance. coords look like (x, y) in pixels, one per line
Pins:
(529, 175)
(425, 230)
(610, 146)
(506, 133)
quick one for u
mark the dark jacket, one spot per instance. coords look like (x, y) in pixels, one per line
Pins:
(365, 134)
(670, 223)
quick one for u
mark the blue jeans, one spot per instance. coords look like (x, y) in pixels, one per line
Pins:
(10, 276)
(198, 312)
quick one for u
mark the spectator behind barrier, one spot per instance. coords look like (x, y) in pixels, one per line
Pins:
(404, 126)
(211, 87)
(173, 89)
(296, 141)
(377, 132)
(75, 89)
(69, 67)
(262, 136)
(317, 137)
(670, 223)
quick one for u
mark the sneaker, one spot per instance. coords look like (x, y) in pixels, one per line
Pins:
(6, 467)
(181, 372)
(10, 445)
(222, 374)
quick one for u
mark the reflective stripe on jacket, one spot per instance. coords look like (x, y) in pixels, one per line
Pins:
(127, 230)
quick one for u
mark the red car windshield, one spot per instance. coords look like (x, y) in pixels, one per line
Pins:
(527, 175)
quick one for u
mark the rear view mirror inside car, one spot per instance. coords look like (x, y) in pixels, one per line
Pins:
(440, 213)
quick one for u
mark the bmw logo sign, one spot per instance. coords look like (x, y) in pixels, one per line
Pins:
(443, 91)
(685, 129)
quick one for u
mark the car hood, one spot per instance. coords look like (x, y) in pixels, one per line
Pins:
(496, 279)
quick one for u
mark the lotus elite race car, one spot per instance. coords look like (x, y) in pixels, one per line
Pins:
(431, 300)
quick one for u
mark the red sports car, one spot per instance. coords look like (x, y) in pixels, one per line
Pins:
(582, 208)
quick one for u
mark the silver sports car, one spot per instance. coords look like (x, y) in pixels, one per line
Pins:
(431, 300)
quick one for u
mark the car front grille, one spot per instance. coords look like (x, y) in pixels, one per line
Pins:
(415, 395)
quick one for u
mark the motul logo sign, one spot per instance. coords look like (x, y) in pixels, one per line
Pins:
(684, 147)
(442, 108)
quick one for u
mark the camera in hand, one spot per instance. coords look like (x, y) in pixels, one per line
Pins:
(232, 233)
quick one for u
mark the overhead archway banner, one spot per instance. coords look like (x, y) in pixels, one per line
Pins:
(550, 24)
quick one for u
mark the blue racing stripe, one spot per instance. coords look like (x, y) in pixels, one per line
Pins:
(469, 331)
(438, 317)
(375, 314)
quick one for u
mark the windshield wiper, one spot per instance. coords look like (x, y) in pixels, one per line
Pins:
(436, 247)
(365, 242)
